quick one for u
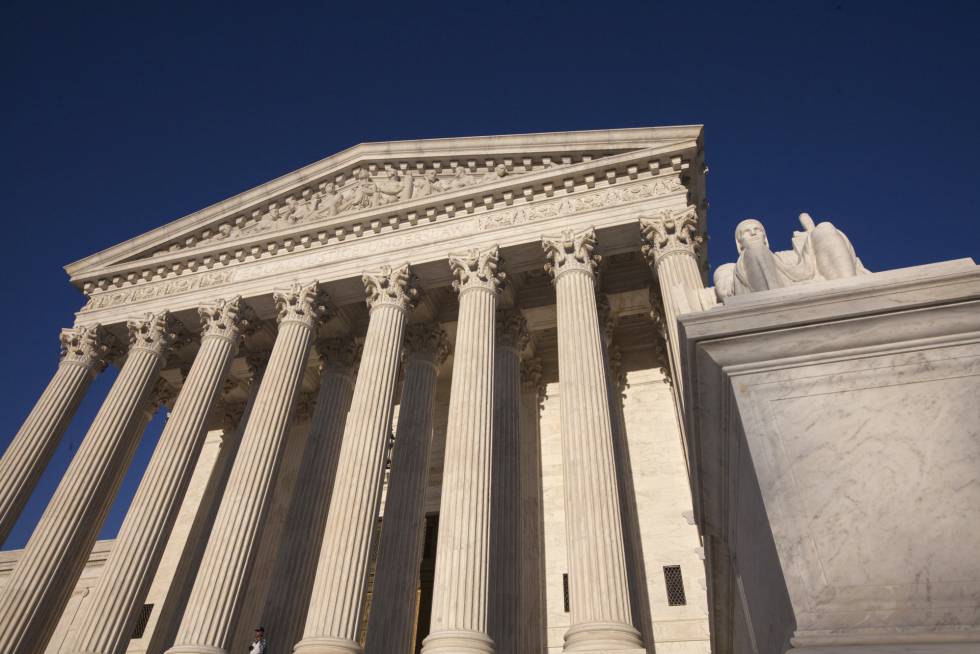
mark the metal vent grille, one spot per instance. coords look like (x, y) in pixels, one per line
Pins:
(564, 588)
(675, 585)
(144, 617)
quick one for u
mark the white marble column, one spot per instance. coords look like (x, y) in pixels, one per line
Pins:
(55, 555)
(84, 353)
(391, 623)
(598, 588)
(122, 586)
(531, 602)
(338, 591)
(459, 599)
(503, 616)
(672, 243)
(230, 552)
(300, 550)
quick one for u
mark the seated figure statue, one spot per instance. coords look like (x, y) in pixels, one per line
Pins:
(819, 252)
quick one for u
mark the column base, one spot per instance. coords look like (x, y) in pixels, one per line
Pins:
(327, 645)
(604, 638)
(459, 641)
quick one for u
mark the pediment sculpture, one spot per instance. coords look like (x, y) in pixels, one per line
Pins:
(363, 191)
(820, 252)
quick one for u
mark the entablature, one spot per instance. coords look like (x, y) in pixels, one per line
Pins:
(603, 192)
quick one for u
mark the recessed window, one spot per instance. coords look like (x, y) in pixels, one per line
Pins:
(675, 585)
(564, 588)
(143, 619)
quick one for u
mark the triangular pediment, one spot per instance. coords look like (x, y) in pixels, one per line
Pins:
(364, 186)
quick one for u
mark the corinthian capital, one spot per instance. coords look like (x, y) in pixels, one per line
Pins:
(342, 354)
(230, 319)
(91, 346)
(302, 303)
(570, 251)
(427, 340)
(158, 333)
(477, 269)
(670, 232)
(532, 377)
(511, 329)
(391, 286)
(161, 395)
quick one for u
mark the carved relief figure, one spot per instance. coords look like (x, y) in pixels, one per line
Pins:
(327, 202)
(497, 174)
(461, 179)
(394, 189)
(304, 207)
(365, 193)
(819, 252)
(428, 184)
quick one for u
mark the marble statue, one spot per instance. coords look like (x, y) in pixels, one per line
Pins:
(393, 189)
(365, 193)
(428, 184)
(819, 252)
(328, 201)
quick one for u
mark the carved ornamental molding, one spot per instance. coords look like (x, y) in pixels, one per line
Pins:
(91, 347)
(532, 379)
(157, 333)
(477, 270)
(229, 319)
(511, 330)
(391, 286)
(670, 232)
(427, 341)
(304, 304)
(571, 251)
(339, 354)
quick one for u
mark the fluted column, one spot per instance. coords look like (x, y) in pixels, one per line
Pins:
(55, 555)
(531, 602)
(228, 557)
(459, 599)
(300, 550)
(338, 591)
(124, 582)
(598, 589)
(672, 244)
(505, 510)
(84, 353)
(392, 620)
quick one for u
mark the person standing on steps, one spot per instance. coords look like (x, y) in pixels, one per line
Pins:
(258, 645)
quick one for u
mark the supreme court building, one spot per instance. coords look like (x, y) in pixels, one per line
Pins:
(421, 396)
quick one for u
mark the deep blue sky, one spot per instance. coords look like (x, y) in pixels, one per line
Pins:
(116, 120)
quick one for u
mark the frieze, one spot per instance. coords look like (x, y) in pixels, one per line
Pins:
(584, 202)
(163, 289)
(421, 235)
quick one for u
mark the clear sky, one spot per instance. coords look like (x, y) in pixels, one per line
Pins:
(117, 120)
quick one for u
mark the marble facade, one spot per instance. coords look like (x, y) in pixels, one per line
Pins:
(495, 452)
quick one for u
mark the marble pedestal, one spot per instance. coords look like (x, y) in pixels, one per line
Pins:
(835, 437)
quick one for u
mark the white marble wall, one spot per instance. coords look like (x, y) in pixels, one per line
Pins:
(664, 512)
